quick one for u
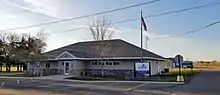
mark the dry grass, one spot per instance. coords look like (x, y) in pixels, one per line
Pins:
(175, 71)
(36, 92)
(207, 66)
(26, 92)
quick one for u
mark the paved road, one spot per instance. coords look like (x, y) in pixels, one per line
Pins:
(83, 88)
(205, 83)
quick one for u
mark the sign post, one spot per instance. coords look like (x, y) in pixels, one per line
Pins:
(179, 60)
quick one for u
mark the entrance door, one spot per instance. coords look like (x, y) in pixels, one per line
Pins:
(66, 67)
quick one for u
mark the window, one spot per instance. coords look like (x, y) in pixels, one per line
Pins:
(47, 65)
(115, 63)
(103, 63)
(99, 63)
(93, 63)
(110, 63)
(62, 63)
(106, 63)
(96, 63)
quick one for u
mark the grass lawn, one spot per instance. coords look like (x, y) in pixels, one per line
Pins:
(170, 77)
(96, 78)
(18, 75)
(206, 66)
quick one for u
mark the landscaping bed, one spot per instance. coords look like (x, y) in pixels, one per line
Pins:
(168, 77)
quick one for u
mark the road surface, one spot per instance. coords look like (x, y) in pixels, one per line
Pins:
(80, 88)
(205, 83)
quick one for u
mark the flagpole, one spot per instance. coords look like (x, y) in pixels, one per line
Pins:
(141, 40)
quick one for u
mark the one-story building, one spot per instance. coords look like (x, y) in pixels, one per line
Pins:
(85, 58)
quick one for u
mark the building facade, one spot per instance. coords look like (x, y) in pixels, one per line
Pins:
(84, 59)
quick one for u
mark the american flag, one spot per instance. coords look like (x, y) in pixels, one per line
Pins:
(143, 23)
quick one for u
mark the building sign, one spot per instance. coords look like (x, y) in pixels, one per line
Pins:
(142, 69)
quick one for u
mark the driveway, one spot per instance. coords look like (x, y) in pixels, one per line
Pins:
(205, 83)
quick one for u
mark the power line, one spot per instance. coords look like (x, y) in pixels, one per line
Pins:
(186, 33)
(192, 31)
(70, 30)
(154, 15)
(170, 12)
(84, 16)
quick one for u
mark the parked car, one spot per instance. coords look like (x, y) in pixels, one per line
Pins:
(187, 64)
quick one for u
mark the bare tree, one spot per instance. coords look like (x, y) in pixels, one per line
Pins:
(16, 48)
(101, 32)
(40, 45)
(12, 40)
(3, 36)
(3, 45)
(33, 45)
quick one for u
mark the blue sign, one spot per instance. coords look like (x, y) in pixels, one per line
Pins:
(143, 66)
(142, 69)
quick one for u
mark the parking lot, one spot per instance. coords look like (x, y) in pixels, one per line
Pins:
(117, 88)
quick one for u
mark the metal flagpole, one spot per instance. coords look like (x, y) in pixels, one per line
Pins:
(141, 41)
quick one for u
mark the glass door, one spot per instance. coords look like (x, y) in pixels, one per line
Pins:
(66, 68)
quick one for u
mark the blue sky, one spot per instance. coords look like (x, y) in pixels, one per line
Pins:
(202, 45)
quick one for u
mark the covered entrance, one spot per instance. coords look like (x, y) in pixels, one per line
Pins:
(66, 67)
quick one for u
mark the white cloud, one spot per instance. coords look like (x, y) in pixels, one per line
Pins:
(47, 7)
(7, 16)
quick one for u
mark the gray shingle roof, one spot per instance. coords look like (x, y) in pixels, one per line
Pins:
(89, 49)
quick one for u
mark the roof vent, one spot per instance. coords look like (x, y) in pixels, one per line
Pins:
(65, 55)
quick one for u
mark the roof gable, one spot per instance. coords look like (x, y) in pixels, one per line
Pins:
(65, 55)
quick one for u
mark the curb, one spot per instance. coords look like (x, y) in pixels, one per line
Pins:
(41, 78)
(114, 81)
